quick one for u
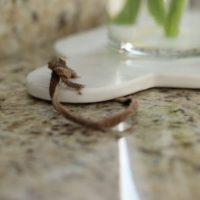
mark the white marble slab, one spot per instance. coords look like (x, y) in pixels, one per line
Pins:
(107, 74)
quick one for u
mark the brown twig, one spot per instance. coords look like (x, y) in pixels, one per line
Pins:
(61, 71)
(125, 101)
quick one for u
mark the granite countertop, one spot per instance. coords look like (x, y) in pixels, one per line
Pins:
(43, 156)
(32, 23)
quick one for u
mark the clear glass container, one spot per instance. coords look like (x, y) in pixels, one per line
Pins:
(155, 27)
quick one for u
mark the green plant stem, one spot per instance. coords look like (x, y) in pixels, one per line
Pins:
(129, 13)
(172, 26)
(157, 9)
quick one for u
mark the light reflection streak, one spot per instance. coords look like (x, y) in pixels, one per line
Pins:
(121, 127)
(128, 190)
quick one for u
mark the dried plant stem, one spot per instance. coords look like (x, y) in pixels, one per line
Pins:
(61, 71)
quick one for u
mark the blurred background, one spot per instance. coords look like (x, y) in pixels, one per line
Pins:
(30, 23)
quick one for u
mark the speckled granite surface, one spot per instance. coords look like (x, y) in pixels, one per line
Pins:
(28, 23)
(44, 157)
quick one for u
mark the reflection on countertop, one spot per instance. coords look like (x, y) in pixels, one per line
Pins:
(45, 157)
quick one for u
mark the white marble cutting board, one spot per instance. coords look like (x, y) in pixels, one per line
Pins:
(107, 75)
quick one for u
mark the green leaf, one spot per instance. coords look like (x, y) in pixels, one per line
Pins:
(129, 13)
(157, 8)
(172, 26)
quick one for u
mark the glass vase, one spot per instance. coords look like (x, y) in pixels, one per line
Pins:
(155, 27)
